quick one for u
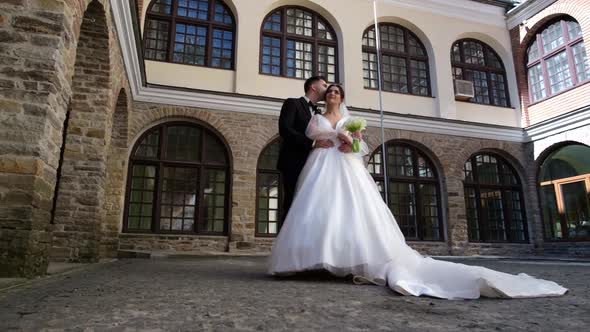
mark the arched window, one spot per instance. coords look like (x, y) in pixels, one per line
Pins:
(178, 182)
(194, 32)
(269, 194)
(556, 59)
(474, 61)
(297, 42)
(565, 193)
(413, 190)
(493, 200)
(404, 60)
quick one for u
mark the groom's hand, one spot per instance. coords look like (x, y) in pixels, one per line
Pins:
(324, 144)
(345, 148)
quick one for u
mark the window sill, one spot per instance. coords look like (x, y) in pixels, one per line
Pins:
(131, 234)
(499, 242)
(290, 78)
(266, 236)
(559, 93)
(417, 241)
(191, 65)
(482, 104)
(583, 239)
(401, 93)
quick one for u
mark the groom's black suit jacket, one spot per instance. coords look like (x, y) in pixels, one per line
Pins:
(295, 146)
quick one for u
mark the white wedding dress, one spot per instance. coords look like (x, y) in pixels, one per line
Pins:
(339, 222)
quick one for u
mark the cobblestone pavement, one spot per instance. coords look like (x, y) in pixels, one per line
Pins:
(233, 293)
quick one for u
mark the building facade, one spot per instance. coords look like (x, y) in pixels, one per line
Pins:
(152, 125)
(548, 39)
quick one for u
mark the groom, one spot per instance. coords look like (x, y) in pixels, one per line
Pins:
(295, 146)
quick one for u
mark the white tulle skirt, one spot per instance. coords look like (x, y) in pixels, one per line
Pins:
(339, 222)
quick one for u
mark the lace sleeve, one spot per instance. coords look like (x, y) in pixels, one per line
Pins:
(316, 131)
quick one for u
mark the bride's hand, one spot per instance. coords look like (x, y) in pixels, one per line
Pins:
(324, 144)
(344, 138)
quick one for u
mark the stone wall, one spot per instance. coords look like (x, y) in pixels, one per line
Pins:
(248, 134)
(80, 195)
(117, 159)
(38, 50)
(167, 242)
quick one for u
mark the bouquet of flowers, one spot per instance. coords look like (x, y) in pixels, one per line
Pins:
(354, 126)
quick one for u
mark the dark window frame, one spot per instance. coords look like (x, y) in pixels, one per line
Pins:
(210, 24)
(416, 180)
(488, 50)
(503, 187)
(406, 56)
(543, 57)
(283, 35)
(260, 170)
(202, 167)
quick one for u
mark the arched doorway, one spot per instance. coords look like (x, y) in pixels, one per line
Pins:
(564, 183)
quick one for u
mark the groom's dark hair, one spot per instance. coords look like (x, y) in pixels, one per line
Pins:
(312, 80)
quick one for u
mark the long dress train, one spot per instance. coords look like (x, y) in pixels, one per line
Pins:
(339, 222)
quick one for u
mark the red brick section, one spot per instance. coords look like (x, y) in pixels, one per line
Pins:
(560, 103)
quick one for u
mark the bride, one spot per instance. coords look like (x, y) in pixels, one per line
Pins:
(339, 222)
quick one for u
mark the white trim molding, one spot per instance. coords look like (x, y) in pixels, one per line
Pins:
(269, 106)
(558, 125)
(444, 127)
(525, 10)
(462, 9)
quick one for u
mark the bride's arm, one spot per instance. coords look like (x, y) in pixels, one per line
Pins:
(315, 132)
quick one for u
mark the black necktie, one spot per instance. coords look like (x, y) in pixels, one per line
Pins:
(314, 107)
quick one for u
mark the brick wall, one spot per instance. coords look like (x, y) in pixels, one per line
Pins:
(521, 38)
(560, 104)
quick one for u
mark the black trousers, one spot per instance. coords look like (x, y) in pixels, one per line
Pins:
(289, 185)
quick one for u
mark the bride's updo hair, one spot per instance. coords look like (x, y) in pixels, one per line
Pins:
(339, 88)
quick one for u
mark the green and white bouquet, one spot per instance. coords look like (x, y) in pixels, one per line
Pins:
(354, 126)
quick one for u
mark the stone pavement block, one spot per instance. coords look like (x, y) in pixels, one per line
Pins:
(6, 283)
(227, 293)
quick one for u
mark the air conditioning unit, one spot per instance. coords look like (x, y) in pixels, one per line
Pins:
(463, 90)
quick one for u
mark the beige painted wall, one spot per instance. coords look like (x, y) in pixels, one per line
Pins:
(188, 76)
(436, 24)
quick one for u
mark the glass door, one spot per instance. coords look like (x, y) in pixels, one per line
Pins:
(576, 208)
